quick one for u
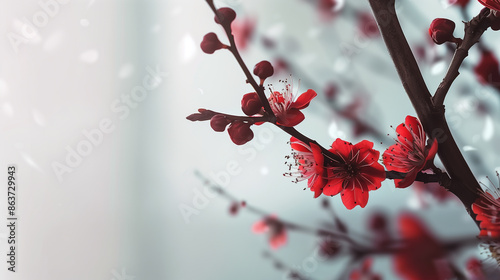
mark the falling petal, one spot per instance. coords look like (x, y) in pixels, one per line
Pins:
(89, 56)
(489, 129)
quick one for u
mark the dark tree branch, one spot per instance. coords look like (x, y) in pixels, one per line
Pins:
(464, 184)
(473, 31)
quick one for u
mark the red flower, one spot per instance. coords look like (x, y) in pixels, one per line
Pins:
(309, 161)
(488, 69)
(365, 272)
(356, 174)
(492, 4)
(487, 209)
(286, 109)
(422, 256)
(410, 154)
(275, 228)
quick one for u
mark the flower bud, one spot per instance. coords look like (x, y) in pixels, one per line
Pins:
(251, 104)
(263, 70)
(226, 16)
(219, 123)
(441, 30)
(240, 132)
(211, 43)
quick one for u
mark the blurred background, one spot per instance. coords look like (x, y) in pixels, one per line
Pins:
(93, 102)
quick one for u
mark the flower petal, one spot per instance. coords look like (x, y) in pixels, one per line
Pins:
(348, 198)
(333, 187)
(413, 124)
(407, 180)
(293, 117)
(304, 99)
(342, 148)
(316, 184)
(404, 135)
(299, 145)
(432, 151)
(278, 240)
(260, 227)
(318, 158)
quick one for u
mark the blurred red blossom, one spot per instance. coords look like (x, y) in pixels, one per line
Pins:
(365, 272)
(275, 229)
(410, 154)
(422, 256)
(488, 69)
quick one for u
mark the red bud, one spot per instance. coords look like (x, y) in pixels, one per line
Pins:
(226, 16)
(441, 30)
(240, 132)
(250, 104)
(211, 43)
(263, 70)
(219, 123)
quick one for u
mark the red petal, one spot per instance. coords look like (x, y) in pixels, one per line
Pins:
(360, 197)
(293, 118)
(260, 227)
(404, 135)
(278, 240)
(348, 198)
(304, 99)
(318, 158)
(333, 187)
(413, 124)
(298, 145)
(342, 148)
(408, 179)
(432, 151)
(316, 184)
(365, 144)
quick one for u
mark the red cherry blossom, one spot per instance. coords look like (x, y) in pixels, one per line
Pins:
(286, 109)
(487, 209)
(422, 256)
(309, 161)
(492, 4)
(357, 172)
(275, 228)
(410, 154)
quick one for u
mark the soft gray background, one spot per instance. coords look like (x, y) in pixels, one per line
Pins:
(118, 210)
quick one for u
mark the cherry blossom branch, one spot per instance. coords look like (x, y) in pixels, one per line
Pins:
(442, 178)
(474, 29)
(464, 184)
(259, 89)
